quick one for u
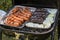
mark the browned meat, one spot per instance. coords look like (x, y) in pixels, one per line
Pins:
(18, 16)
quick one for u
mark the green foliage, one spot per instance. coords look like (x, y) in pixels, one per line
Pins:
(5, 4)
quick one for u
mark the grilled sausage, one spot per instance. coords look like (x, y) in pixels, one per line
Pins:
(18, 16)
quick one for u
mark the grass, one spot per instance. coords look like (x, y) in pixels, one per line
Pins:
(5, 5)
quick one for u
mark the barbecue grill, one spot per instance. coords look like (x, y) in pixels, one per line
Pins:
(59, 23)
(38, 4)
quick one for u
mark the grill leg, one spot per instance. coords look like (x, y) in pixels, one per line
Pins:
(58, 36)
(0, 34)
(52, 35)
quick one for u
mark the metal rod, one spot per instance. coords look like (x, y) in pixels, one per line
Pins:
(52, 35)
(0, 34)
